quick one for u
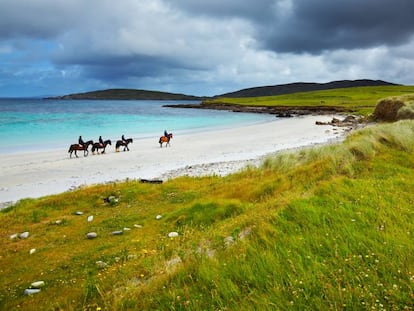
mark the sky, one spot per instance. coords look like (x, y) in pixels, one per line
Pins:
(195, 47)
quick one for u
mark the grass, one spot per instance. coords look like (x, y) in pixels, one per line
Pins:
(326, 228)
(362, 100)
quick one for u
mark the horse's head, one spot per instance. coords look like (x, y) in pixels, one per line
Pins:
(170, 135)
(108, 142)
(129, 140)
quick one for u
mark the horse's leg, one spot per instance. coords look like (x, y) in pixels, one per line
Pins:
(76, 153)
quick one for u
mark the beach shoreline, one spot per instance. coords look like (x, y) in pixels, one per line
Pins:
(221, 152)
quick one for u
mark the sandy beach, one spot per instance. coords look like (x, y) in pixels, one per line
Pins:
(32, 175)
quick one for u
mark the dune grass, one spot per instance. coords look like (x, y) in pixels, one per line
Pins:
(326, 228)
(361, 100)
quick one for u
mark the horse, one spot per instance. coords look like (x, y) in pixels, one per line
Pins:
(124, 143)
(76, 147)
(97, 146)
(165, 139)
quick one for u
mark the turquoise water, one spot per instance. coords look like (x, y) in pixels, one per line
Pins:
(36, 124)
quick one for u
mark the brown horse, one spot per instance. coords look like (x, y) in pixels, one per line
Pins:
(76, 147)
(165, 139)
(97, 146)
(124, 143)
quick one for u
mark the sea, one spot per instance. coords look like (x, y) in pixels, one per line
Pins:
(28, 125)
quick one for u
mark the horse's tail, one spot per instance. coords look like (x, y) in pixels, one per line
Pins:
(70, 149)
(160, 141)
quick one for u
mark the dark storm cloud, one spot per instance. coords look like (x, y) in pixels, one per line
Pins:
(314, 26)
(35, 19)
(231, 8)
(298, 26)
(122, 68)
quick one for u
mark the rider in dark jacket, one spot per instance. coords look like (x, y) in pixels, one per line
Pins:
(81, 142)
(101, 141)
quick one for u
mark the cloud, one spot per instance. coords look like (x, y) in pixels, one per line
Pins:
(201, 47)
(315, 26)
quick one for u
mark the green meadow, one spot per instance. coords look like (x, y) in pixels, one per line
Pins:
(323, 228)
(361, 100)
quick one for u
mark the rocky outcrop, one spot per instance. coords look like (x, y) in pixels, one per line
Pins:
(347, 121)
(280, 111)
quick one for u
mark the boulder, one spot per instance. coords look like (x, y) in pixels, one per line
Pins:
(101, 264)
(91, 235)
(37, 284)
(173, 234)
(31, 291)
(24, 235)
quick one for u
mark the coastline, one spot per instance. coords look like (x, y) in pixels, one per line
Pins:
(220, 152)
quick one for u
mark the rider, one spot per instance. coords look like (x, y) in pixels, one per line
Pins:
(101, 141)
(165, 133)
(123, 138)
(81, 142)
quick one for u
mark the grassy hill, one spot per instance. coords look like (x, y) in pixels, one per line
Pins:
(301, 87)
(324, 228)
(359, 100)
(128, 94)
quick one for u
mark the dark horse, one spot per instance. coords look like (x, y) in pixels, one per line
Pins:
(165, 139)
(76, 147)
(124, 143)
(97, 146)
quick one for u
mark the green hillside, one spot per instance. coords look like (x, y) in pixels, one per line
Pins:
(325, 228)
(128, 94)
(360, 100)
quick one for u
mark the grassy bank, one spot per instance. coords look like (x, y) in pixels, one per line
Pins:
(326, 228)
(362, 100)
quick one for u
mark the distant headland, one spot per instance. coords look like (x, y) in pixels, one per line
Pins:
(136, 94)
(128, 94)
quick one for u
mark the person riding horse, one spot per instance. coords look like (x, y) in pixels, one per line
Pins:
(81, 142)
(165, 133)
(101, 141)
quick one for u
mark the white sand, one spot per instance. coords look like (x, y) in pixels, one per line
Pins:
(214, 152)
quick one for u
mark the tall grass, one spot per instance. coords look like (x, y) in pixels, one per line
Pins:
(327, 228)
